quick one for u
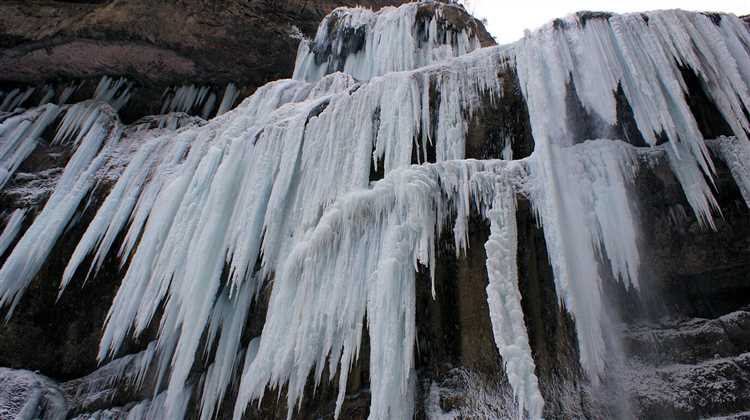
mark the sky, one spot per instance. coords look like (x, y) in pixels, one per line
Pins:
(506, 21)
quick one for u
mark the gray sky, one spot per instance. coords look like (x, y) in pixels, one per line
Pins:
(507, 20)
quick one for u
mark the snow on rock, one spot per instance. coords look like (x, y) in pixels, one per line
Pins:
(736, 154)
(25, 395)
(705, 387)
(480, 397)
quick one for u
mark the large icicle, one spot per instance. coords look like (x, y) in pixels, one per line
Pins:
(504, 301)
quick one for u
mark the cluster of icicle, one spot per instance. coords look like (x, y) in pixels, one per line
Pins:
(366, 44)
(280, 189)
(188, 97)
(114, 91)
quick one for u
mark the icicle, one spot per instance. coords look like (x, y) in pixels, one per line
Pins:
(284, 157)
(48, 95)
(230, 96)
(12, 228)
(114, 212)
(208, 107)
(67, 92)
(18, 138)
(15, 99)
(232, 314)
(5, 106)
(362, 254)
(504, 301)
(186, 98)
(114, 92)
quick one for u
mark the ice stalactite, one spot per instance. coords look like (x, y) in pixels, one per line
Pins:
(198, 100)
(184, 98)
(19, 135)
(366, 44)
(504, 301)
(114, 92)
(229, 317)
(117, 209)
(581, 195)
(67, 92)
(12, 228)
(15, 98)
(92, 130)
(227, 101)
(49, 93)
(285, 156)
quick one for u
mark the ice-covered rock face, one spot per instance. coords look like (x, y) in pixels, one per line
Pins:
(366, 44)
(26, 395)
(331, 192)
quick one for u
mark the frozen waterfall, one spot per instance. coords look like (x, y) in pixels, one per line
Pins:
(282, 193)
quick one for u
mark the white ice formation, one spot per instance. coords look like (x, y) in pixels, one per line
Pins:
(366, 44)
(280, 188)
(199, 99)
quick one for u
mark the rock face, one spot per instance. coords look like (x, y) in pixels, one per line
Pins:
(681, 347)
